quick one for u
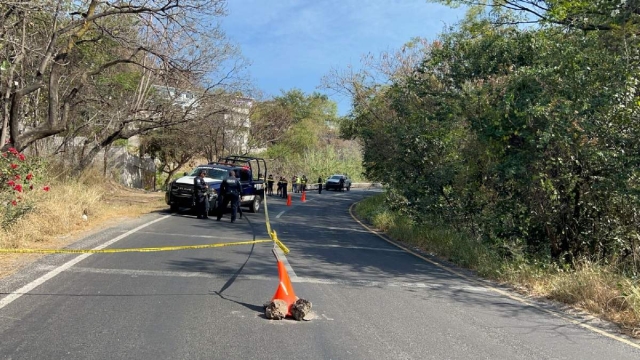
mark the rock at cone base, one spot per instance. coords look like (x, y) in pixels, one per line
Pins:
(276, 310)
(300, 309)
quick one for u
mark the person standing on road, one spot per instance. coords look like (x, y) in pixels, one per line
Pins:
(201, 199)
(231, 190)
(341, 184)
(270, 185)
(285, 185)
(319, 184)
(304, 183)
(297, 187)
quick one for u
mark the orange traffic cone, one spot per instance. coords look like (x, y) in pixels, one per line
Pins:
(285, 291)
(304, 197)
(289, 200)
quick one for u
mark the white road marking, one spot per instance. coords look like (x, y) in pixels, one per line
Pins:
(326, 317)
(48, 276)
(351, 247)
(162, 273)
(284, 211)
(504, 293)
(238, 314)
(363, 283)
(193, 236)
(294, 278)
(338, 228)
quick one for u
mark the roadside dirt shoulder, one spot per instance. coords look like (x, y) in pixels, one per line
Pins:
(62, 219)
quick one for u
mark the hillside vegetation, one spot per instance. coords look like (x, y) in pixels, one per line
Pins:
(513, 149)
(299, 136)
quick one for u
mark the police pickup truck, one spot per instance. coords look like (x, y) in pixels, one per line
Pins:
(251, 172)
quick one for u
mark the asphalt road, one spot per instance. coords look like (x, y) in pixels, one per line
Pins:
(370, 299)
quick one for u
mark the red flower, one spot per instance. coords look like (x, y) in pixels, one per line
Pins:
(46, 188)
(14, 166)
(29, 177)
(18, 177)
(21, 157)
(13, 151)
(18, 188)
(14, 203)
(11, 183)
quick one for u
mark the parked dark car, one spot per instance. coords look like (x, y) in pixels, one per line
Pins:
(334, 182)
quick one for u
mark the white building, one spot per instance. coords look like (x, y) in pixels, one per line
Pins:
(238, 124)
(235, 115)
(183, 98)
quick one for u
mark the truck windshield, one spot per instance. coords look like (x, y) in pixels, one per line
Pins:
(213, 173)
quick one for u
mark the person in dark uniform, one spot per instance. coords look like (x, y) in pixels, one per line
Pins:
(201, 199)
(231, 191)
(270, 185)
(341, 184)
(285, 185)
(320, 185)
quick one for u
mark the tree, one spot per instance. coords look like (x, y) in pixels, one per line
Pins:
(268, 120)
(172, 149)
(65, 80)
(522, 137)
(298, 130)
(293, 119)
(607, 15)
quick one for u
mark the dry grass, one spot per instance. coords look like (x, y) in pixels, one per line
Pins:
(57, 219)
(600, 290)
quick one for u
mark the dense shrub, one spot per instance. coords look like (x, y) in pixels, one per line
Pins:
(526, 139)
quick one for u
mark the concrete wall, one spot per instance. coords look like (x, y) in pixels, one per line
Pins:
(121, 165)
(130, 170)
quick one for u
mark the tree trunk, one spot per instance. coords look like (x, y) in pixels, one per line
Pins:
(170, 174)
(105, 160)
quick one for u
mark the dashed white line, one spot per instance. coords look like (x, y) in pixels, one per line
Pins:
(160, 273)
(294, 278)
(48, 276)
(351, 247)
(193, 236)
(280, 214)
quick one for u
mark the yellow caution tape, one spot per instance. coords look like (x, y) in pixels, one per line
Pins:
(272, 233)
(282, 246)
(110, 251)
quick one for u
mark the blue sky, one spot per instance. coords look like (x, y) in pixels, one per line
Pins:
(294, 43)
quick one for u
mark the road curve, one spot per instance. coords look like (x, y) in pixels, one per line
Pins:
(371, 300)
